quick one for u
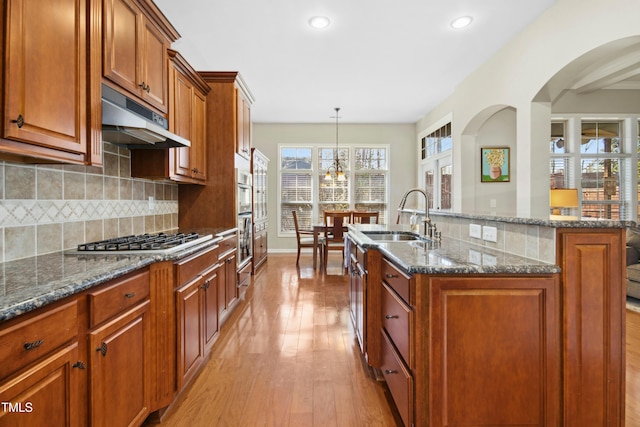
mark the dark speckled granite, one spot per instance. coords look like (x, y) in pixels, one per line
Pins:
(31, 283)
(450, 256)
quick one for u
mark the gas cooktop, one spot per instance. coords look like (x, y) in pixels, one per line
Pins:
(160, 243)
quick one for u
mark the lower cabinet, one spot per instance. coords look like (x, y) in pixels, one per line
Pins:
(119, 380)
(119, 351)
(470, 350)
(46, 394)
(196, 310)
(197, 303)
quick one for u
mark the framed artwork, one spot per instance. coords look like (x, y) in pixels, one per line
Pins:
(495, 164)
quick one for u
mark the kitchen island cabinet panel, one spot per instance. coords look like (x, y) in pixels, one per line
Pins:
(494, 351)
(593, 382)
(39, 74)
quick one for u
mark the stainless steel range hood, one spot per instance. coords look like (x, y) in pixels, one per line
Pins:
(127, 123)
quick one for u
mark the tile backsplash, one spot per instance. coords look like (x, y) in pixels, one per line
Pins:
(48, 208)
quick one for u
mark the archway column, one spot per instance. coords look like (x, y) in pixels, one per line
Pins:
(532, 160)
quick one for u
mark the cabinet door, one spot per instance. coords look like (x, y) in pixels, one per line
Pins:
(121, 49)
(190, 301)
(210, 286)
(45, 395)
(154, 73)
(198, 154)
(119, 375)
(181, 121)
(231, 282)
(243, 126)
(46, 65)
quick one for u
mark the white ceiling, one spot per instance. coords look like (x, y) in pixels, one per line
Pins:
(379, 61)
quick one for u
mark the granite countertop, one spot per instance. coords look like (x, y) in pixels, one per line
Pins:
(450, 256)
(548, 222)
(30, 283)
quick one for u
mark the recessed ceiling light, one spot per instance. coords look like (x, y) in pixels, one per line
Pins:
(461, 22)
(319, 22)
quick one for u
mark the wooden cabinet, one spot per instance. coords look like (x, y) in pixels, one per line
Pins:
(187, 118)
(136, 37)
(47, 394)
(243, 122)
(119, 351)
(39, 74)
(228, 290)
(197, 311)
(593, 310)
(467, 350)
(41, 368)
(196, 209)
(259, 168)
(493, 350)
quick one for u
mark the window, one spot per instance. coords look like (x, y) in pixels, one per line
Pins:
(303, 186)
(438, 141)
(296, 187)
(590, 155)
(371, 172)
(436, 167)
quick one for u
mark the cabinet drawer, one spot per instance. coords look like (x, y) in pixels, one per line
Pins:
(190, 267)
(117, 297)
(396, 320)
(35, 337)
(397, 280)
(228, 244)
(398, 380)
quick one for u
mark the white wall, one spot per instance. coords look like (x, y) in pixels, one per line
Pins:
(399, 137)
(513, 78)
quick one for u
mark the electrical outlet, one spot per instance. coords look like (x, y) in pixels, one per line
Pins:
(475, 230)
(152, 204)
(490, 234)
(492, 203)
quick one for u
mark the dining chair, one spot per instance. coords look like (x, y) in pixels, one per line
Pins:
(304, 238)
(365, 217)
(335, 222)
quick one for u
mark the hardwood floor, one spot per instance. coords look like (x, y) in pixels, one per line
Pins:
(632, 397)
(286, 357)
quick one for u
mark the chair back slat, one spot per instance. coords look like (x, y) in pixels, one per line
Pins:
(365, 217)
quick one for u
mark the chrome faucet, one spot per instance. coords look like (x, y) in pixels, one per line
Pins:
(429, 227)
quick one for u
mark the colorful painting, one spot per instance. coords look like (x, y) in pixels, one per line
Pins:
(495, 164)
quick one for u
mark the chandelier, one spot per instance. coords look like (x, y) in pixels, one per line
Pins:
(336, 166)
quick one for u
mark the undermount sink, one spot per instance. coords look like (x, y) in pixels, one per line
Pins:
(392, 237)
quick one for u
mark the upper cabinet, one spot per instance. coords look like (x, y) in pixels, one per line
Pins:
(136, 36)
(50, 78)
(187, 118)
(243, 121)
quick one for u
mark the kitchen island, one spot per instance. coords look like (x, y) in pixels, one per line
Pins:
(465, 332)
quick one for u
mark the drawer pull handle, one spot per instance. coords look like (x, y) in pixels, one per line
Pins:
(391, 316)
(79, 365)
(102, 349)
(390, 371)
(130, 295)
(32, 345)
(19, 121)
(391, 276)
